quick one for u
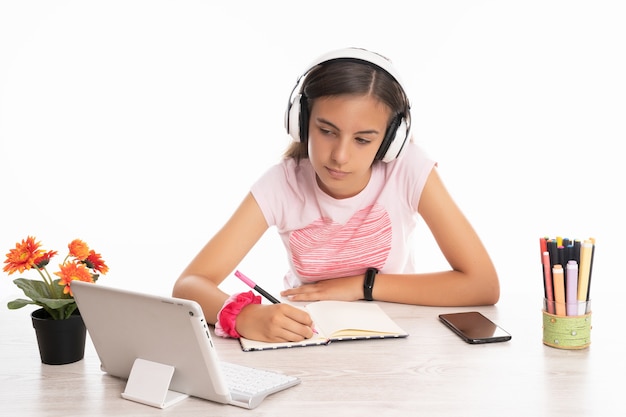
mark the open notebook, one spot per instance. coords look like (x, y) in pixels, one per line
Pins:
(337, 321)
(163, 347)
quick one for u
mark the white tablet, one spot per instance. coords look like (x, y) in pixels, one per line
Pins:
(163, 347)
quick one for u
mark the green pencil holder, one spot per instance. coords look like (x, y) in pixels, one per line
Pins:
(567, 332)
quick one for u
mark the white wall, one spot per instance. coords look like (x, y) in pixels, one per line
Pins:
(138, 126)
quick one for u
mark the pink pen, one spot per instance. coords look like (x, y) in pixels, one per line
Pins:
(255, 287)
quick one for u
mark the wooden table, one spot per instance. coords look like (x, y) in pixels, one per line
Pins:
(430, 373)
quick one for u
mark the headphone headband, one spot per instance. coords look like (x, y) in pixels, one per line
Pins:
(399, 131)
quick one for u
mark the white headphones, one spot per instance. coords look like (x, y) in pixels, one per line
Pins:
(397, 132)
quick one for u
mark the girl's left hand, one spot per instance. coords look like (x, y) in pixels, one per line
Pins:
(343, 289)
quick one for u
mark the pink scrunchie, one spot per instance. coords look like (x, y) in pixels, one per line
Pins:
(225, 325)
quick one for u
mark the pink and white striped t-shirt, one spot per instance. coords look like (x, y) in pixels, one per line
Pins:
(329, 238)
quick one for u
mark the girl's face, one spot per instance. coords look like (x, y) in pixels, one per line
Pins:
(345, 133)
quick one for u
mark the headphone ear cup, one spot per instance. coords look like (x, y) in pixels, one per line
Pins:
(303, 119)
(395, 139)
(292, 118)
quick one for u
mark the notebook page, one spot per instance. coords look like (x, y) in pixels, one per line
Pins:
(364, 318)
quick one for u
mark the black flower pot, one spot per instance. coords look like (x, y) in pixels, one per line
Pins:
(60, 341)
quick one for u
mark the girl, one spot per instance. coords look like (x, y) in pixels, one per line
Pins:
(345, 201)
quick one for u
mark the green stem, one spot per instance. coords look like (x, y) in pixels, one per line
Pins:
(47, 279)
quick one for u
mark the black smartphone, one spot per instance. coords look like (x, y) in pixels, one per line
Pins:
(474, 328)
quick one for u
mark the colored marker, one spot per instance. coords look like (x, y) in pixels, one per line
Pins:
(571, 288)
(558, 278)
(548, 284)
(583, 273)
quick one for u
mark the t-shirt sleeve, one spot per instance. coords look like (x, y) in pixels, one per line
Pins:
(261, 190)
(414, 167)
(278, 193)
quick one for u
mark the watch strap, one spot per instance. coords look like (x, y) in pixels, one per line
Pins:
(368, 283)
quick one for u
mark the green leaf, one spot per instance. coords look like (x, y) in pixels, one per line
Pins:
(55, 303)
(33, 288)
(69, 309)
(19, 303)
(52, 299)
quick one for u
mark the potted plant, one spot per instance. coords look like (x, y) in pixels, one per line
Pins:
(58, 325)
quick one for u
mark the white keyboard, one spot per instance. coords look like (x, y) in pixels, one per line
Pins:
(252, 385)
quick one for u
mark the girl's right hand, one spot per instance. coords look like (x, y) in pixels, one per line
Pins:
(274, 323)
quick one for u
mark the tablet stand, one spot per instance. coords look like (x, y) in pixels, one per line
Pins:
(149, 384)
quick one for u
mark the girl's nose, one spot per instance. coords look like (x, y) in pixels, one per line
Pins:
(341, 151)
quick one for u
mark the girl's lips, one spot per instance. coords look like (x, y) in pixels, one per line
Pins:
(336, 174)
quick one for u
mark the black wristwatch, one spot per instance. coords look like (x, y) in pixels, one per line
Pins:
(368, 283)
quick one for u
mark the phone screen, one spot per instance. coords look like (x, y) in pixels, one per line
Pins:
(474, 328)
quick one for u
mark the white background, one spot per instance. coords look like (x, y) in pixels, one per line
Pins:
(138, 126)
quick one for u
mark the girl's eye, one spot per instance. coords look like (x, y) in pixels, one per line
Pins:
(325, 131)
(362, 141)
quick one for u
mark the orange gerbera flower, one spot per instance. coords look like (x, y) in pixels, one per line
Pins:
(44, 259)
(95, 261)
(78, 249)
(24, 255)
(71, 271)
